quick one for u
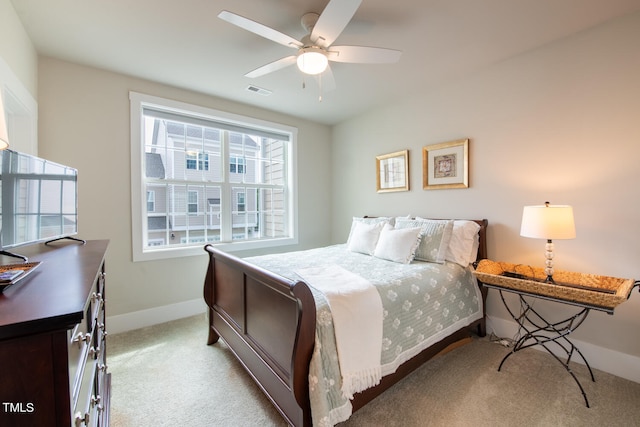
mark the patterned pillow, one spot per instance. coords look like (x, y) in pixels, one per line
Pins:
(464, 243)
(435, 237)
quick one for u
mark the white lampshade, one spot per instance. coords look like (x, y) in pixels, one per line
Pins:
(4, 136)
(548, 222)
(312, 60)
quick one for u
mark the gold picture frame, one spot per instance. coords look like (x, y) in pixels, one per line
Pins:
(446, 165)
(392, 172)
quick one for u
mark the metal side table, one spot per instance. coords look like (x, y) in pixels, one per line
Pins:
(602, 294)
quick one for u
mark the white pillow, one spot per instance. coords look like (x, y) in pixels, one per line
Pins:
(398, 245)
(364, 237)
(463, 246)
(435, 236)
(374, 220)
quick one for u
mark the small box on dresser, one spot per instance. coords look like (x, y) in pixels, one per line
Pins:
(53, 366)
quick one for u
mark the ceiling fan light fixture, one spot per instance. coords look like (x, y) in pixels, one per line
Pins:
(312, 60)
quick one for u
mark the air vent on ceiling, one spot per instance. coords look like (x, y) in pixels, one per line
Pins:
(259, 90)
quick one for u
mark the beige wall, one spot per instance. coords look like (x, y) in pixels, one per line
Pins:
(84, 123)
(560, 123)
(16, 48)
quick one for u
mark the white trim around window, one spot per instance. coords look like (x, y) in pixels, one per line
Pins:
(143, 250)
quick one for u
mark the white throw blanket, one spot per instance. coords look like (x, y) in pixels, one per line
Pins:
(357, 319)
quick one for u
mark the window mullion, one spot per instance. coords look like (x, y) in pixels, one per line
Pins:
(169, 216)
(226, 202)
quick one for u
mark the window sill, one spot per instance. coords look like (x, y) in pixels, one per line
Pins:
(185, 251)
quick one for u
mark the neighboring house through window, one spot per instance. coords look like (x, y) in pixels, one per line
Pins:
(193, 202)
(197, 161)
(205, 176)
(151, 201)
(240, 204)
(236, 165)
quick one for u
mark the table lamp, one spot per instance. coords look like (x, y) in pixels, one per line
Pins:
(548, 222)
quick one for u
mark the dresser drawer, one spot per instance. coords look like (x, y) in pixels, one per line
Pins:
(87, 358)
(80, 340)
(84, 411)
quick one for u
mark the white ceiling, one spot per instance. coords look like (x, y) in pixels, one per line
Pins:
(182, 43)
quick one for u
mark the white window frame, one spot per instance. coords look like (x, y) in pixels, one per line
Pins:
(138, 191)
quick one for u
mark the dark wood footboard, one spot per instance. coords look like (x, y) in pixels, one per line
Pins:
(269, 323)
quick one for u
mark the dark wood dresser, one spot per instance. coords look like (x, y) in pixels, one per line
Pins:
(52, 339)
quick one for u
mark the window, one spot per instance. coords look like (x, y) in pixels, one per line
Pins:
(204, 176)
(193, 202)
(197, 161)
(240, 205)
(151, 201)
(236, 165)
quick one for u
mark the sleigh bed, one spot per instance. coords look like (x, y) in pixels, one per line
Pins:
(270, 319)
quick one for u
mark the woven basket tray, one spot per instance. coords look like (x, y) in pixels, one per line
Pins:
(491, 272)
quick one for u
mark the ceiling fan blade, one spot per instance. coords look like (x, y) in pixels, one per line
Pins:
(272, 66)
(259, 29)
(363, 54)
(333, 20)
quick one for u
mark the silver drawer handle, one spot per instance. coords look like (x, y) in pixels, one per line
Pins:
(95, 400)
(94, 352)
(102, 327)
(80, 338)
(96, 296)
(79, 419)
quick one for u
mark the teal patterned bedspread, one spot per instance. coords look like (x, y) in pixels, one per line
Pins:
(422, 304)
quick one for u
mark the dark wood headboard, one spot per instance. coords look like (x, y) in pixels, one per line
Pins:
(482, 247)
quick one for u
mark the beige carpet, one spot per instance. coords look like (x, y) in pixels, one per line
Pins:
(166, 375)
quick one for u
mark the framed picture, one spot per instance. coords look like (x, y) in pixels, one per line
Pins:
(392, 172)
(446, 165)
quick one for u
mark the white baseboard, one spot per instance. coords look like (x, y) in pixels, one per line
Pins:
(614, 362)
(154, 316)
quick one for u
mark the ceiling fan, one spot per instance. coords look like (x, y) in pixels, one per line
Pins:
(316, 49)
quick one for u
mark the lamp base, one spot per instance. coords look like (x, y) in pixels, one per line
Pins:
(548, 254)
